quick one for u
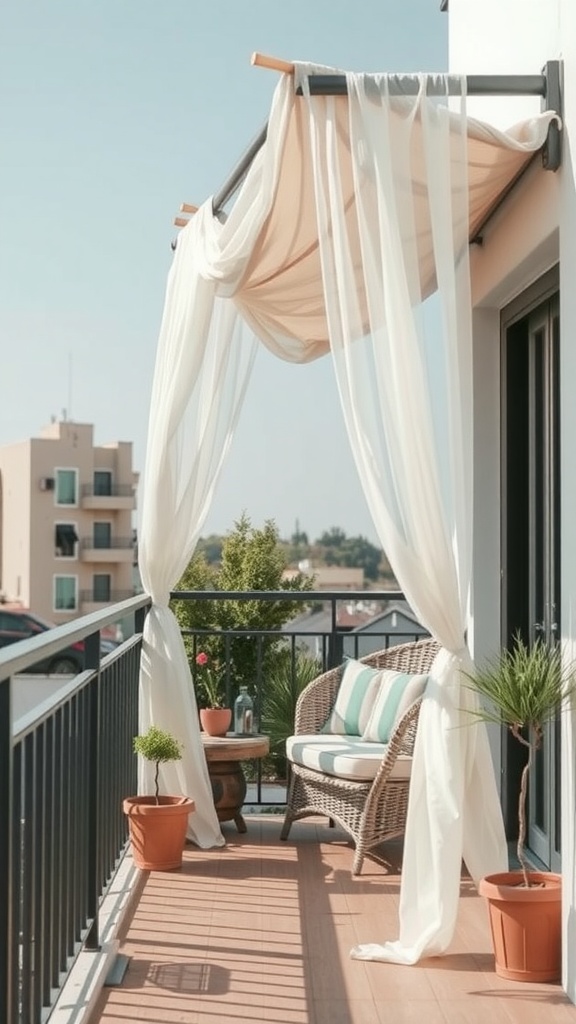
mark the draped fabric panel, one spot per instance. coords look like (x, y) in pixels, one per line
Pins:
(407, 403)
(201, 376)
(281, 291)
(355, 210)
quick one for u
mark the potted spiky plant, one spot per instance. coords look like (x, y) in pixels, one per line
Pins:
(524, 689)
(158, 823)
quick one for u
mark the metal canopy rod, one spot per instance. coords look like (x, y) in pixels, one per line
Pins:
(476, 85)
(235, 179)
(547, 85)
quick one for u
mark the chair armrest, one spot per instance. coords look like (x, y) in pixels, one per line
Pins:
(316, 701)
(401, 742)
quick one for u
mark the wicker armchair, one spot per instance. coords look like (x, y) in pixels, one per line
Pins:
(371, 812)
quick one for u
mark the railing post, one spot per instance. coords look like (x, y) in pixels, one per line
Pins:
(6, 938)
(139, 618)
(92, 880)
(335, 642)
(92, 650)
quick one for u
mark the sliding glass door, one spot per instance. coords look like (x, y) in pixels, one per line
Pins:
(531, 529)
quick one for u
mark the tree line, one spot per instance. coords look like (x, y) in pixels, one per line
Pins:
(332, 547)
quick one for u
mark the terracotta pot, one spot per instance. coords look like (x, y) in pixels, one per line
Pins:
(525, 924)
(158, 831)
(215, 721)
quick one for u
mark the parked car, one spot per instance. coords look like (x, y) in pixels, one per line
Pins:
(22, 625)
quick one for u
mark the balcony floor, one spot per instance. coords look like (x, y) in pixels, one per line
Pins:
(260, 931)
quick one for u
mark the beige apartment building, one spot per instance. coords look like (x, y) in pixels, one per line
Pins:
(66, 535)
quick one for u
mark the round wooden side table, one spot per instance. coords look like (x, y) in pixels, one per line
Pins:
(224, 755)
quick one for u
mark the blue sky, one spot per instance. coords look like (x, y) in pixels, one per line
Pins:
(113, 112)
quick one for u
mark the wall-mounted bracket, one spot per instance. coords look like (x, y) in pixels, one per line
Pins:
(552, 152)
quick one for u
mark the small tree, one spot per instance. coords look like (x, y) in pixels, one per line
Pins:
(159, 747)
(252, 560)
(524, 689)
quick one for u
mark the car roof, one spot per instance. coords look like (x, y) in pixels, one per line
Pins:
(25, 613)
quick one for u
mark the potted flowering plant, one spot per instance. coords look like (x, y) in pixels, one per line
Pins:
(215, 717)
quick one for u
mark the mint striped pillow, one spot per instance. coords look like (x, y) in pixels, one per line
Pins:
(354, 700)
(397, 692)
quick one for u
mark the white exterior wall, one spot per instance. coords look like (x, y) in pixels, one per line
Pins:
(512, 37)
(535, 227)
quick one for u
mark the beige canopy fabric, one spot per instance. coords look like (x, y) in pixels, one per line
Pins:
(281, 294)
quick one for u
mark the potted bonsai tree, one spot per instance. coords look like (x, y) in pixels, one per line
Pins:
(158, 823)
(215, 716)
(524, 688)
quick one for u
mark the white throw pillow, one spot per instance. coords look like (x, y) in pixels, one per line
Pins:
(354, 700)
(397, 691)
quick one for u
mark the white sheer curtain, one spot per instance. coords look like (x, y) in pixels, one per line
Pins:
(407, 402)
(197, 395)
(204, 358)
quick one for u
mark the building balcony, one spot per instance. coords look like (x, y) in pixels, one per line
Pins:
(94, 602)
(115, 549)
(120, 497)
(257, 930)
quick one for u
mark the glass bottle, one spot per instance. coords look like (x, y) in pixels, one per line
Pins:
(243, 713)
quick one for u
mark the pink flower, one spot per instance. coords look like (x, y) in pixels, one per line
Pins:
(202, 658)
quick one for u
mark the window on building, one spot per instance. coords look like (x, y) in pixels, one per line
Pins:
(66, 486)
(101, 586)
(102, 481)
(65, 540)
(102, 535)
(65, 593)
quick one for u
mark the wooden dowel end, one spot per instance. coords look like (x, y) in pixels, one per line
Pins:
(261, 60)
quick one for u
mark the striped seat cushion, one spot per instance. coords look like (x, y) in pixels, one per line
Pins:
(396, 692)
(354, 700)
(346, 757)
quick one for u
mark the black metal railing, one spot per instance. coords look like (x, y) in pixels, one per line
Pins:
(64, 768)
(114, 596)
(107, 544)
(66, 765)
(329, 643)
(113, 491)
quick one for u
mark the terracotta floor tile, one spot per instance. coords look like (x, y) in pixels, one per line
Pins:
(454, 975)
(353, 1011)
(331, 980)
(478, 1009)
(422, 1011)
(532, 1004)
(395, 983)
(260, 932)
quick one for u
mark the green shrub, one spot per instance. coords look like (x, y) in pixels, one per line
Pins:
(283, 686)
